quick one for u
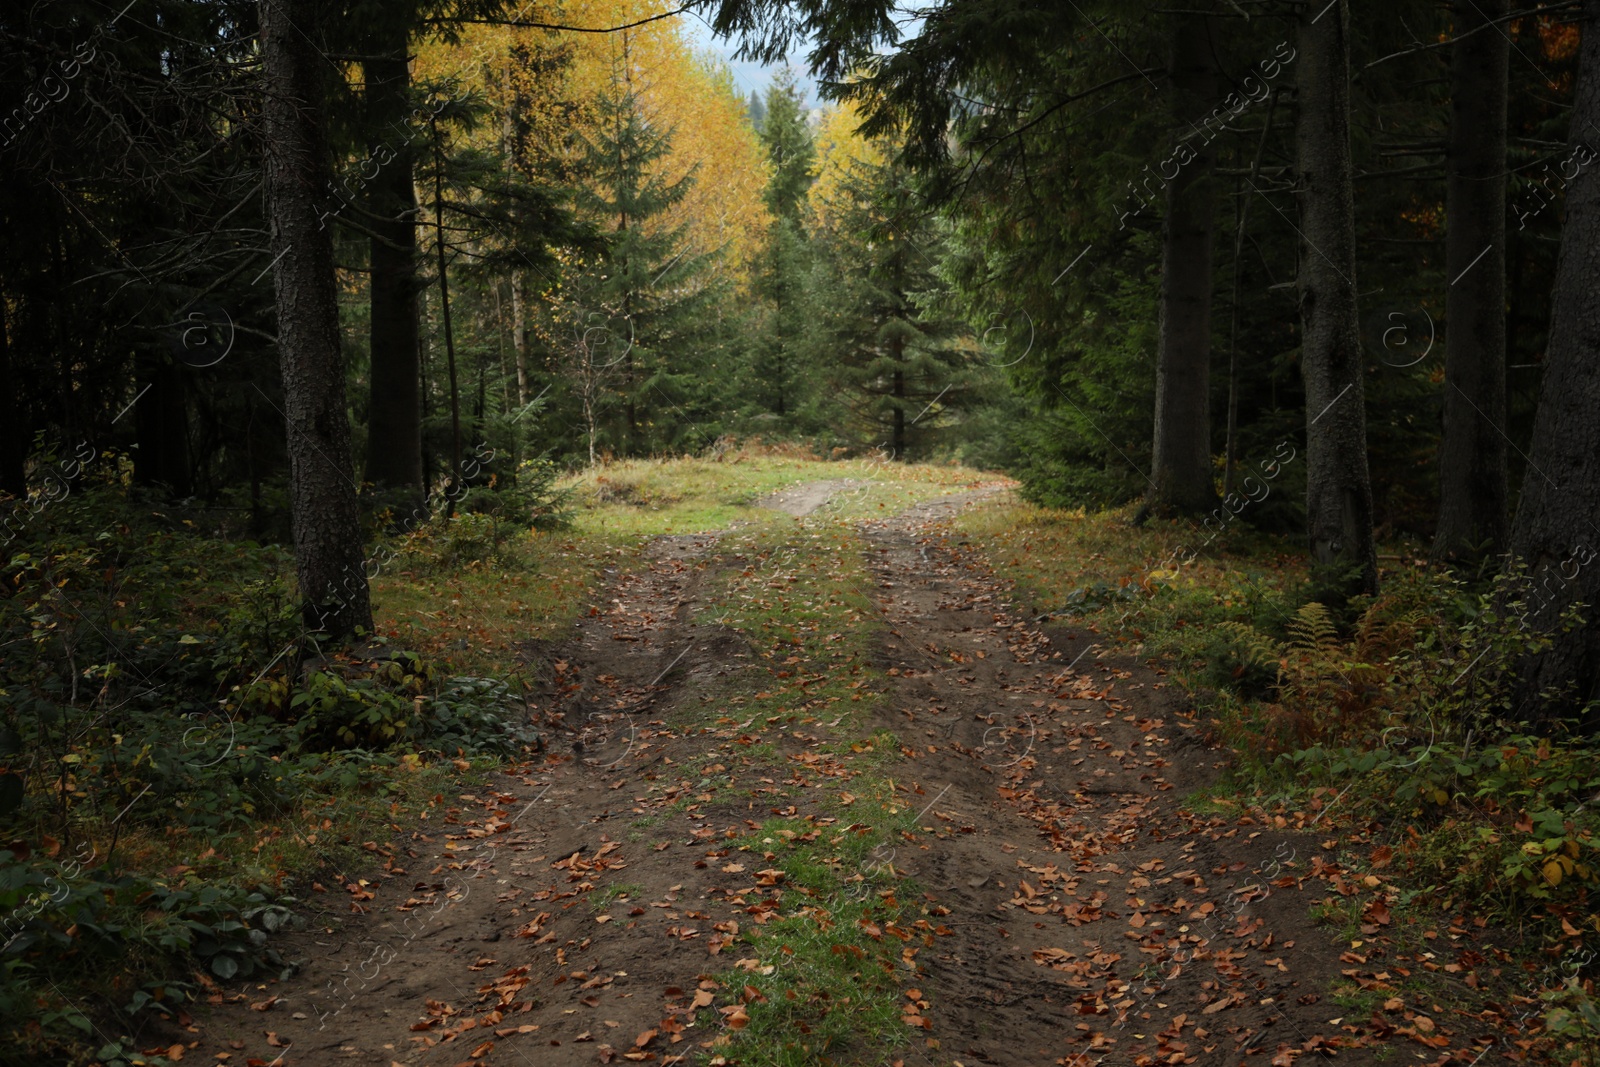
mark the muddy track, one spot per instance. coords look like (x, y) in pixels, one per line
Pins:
(583, 908)
(1095, 920)
(480, 934)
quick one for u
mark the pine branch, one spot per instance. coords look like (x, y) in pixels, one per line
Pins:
(1542, 9)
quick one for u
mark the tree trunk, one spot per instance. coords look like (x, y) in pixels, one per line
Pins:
(1472, 452)
(1241, 219)
(1338, 492)
(444, 310)
(1555, 533)
(13, 434)
(394, 429)
(327, 530)
(1182, 449)
(898, 441)
(519, 335)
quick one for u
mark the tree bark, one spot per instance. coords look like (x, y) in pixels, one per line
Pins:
(898, 437)
(394, 428)
(1338, 490)
(1472, 452)
(1230, 459)
(327, 530)
(1182, 448)
(13, 433)
(444, 308)
(1555, 533)
(519, 335)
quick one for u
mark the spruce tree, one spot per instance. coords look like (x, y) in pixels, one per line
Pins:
(625, 322)
(791, 150)
(895, 364)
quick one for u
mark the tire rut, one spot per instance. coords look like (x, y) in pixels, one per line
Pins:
(1094, 919)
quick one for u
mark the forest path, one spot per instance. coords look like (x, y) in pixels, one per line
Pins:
(616, 900)
(804, 499)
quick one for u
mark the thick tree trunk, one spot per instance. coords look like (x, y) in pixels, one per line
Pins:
(327, 530)
(1472, 453)
(1556, 533)
(1338, 491)
(1182, 450)
(394, 429)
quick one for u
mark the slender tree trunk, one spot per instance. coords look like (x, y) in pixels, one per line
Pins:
(1472, 453)
(519, 334)
(1556, 533)
(1242, 219)
(482, 399)
(444, 308)
(327, 529)
(899, 437)
(1338, 490)
(13, 434)
(394, 432)
(1182, 449)
(1230, 439)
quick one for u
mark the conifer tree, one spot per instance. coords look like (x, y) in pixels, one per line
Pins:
(791, 150)
(625, 321)
(895, 364)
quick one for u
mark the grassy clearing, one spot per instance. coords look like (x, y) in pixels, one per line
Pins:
(639, 498)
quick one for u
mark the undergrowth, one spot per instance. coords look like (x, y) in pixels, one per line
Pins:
(179, 760)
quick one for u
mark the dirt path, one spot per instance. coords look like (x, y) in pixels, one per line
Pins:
(804, 499)
(587, 908)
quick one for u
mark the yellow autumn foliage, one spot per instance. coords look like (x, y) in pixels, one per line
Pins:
(542, 86)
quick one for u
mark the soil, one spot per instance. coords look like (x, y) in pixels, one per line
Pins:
(801, 500)
(1087, 916)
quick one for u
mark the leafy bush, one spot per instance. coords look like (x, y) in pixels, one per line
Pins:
(161, 707)
(62, 917)
(402, 704)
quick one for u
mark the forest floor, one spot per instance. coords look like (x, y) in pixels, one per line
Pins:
(819, 789)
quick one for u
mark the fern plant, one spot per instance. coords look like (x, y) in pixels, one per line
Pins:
(1312, 630)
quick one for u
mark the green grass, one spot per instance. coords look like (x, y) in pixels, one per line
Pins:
(836, 977)
(831, 972)
(475, 614)
(601, 898)
(640, 498)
